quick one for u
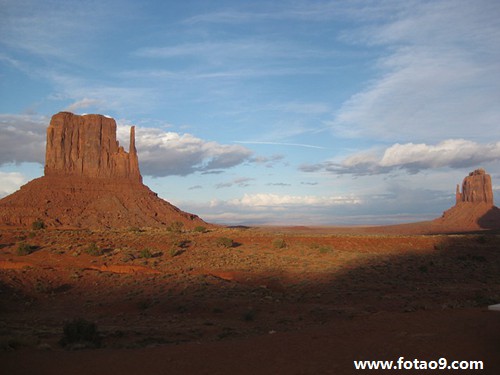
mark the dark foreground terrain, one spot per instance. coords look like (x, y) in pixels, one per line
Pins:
(244, 300)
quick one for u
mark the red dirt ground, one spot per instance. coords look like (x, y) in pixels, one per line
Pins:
(278, 301)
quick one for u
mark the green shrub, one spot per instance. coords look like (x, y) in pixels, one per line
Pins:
(79, 334)
(200, 229)
(38, 224)
(224, 242)
(174, 251)
(325, 249)
(94, 250)
(24, 249)
(279, 243)
(176, 227)
(146, 253)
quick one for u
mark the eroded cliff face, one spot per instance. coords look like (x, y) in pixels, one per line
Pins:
(86, 146)
(476, 188)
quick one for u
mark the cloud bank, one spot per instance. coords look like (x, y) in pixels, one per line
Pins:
(164, 153)
(10, 182)
(22, 138)
(451, 153)
(277, 201)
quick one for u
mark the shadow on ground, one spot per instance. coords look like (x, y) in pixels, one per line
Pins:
(427, 302)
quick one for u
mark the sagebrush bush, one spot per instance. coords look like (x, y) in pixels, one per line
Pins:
(24, 249)
(94, 250)
(224, 242)
(175, 251)
(325, 249)
(146, 253)
(176, 227)
(38, 224)
(279, 243)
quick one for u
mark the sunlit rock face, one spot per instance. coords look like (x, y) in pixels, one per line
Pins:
(476, 188)
(86, 146)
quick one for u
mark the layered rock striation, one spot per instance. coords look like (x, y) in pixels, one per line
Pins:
(90, 181)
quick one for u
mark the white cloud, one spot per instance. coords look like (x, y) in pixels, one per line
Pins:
(276, 201)
(240, 182)
(452, 153)
(22, 138)
(242, 50)
(388, 208)
(276, 209)
(10, 182)
(83, 103)
(268, 161)
(116, 97)
(164, 153)
(449, 153)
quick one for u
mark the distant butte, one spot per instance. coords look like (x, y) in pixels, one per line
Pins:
(474, 211)
(474, 206)
(90, 181)
(476, 188)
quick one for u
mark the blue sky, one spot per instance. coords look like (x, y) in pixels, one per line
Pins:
(259, 112)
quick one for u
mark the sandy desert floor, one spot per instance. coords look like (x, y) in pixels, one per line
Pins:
(246, 300)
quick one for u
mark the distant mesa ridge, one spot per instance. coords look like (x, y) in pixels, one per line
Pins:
(90, 181)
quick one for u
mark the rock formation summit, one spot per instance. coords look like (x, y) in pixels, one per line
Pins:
(90, 181)
(86, 146)
(476, 188)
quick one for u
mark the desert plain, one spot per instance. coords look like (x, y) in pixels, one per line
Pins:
(246, 300)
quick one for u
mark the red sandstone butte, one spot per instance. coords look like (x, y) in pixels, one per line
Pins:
(474, 208)
(90, 181)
